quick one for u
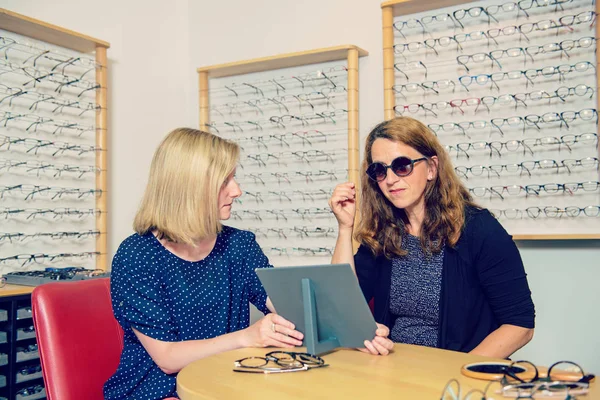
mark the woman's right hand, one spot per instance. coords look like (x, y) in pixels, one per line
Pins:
(343, 204)
(272, 330)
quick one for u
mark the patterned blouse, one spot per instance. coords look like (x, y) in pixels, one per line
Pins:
(415, 294)
(170, 299)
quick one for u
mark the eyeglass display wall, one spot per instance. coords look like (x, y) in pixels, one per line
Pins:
(52, 147)
(510, 89)
(295, 117)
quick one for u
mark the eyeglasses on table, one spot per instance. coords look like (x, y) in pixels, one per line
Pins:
(523, 380)
(563, 379)
(453, 391)
(278, 362)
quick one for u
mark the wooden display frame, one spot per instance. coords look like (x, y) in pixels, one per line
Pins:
(392, 9)
(53, 34)
(350, 53)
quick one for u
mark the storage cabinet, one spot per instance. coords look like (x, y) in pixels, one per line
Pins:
(20, 369)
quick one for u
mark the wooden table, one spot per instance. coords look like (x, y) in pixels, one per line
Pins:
(410, 372)
(15, 290)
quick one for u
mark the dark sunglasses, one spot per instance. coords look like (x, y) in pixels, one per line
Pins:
(402, 166)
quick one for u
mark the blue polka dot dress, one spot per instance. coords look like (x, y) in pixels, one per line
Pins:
(170, 299)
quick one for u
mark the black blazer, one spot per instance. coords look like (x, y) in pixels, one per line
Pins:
(484, 284)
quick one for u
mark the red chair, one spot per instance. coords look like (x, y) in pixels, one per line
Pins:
(80, 342)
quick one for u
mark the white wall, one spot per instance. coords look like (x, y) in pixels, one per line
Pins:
(155, 48)
(149, 84)
(266, 27)
(564, 279)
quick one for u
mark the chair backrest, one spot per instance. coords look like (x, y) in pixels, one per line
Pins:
(79, 340)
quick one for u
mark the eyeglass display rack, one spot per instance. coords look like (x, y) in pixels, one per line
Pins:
(53, 146)
(295, 117)
(20, 370)
(510, 88)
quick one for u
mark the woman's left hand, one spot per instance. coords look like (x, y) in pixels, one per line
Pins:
(380, 345)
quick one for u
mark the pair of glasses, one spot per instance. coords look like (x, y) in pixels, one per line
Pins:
(452, 391)
(281, 361)
(569, 187)
(28, 349)
(32, 369)
(30, 391)
(581, 18)
(539, 26)
(401, 166)
(563, 377)
(555, 212)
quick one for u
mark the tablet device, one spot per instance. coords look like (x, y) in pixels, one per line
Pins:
(324, 302)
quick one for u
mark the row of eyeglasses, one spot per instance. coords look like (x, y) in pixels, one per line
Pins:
(36, 76)
(322, 79)
(475, 37)
(307, 156)
(444, 85)
(303, 213)
(526, 167)
(287, 177)
(40, 55)
(304, 138)
(29, 192)
(517, 99)
(535, 190)
(280, 121)
(530, 75)
(549, 212)
(526, 145)
(489, 13)
(47, 147)
(527, 53)
(287, 196)
(522, 6)
(324, 97)
(299, 231)
(495, 125)
(39, 168)
(35, 98)
(299, 251)
(52, 213)
(39, 257)
(8, 237)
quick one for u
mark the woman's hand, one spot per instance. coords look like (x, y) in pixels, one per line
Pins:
(343, 204)
(380, 345)
(272, 330)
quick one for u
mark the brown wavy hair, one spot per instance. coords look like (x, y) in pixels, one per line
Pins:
(382, 226)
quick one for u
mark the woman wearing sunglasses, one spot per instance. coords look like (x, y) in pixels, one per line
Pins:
(442, 271)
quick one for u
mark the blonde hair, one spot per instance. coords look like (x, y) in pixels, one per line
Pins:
(187, 172)
(382, 225)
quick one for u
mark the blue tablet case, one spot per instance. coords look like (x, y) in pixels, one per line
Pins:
(324, 302)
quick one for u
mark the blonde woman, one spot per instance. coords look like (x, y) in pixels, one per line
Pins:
(182, 284)
(442, 271)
